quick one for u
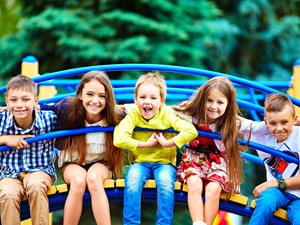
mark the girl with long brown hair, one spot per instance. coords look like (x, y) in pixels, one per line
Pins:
(208, 164)
(87, 160)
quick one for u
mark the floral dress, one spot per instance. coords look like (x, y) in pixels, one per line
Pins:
(203, 158)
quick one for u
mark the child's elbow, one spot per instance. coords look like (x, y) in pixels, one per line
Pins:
(116, 142)
(194, 132)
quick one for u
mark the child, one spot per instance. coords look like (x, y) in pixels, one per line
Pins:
(25, 169)
(88, 160)
(210, 164)
(282, 188)
(154, 153)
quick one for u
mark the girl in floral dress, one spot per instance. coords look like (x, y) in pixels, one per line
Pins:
(213, 165)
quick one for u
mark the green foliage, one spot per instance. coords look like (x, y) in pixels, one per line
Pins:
(8, 17)
(67, 34)
(249, 38)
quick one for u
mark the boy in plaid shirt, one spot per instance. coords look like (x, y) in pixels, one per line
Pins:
(25, 169)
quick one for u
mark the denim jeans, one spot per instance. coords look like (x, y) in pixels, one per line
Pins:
(270, 200)
(138, 173)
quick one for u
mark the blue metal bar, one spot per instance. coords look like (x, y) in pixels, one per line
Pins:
(170, 83)
(213, 135)
(159, 67)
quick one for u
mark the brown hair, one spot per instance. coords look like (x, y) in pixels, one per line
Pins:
(277, 102)
(154, 79)
(22, 82)
(113, 156)
(226, 124)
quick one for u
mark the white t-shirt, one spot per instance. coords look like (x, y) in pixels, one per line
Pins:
(291, 146)
(95, 147)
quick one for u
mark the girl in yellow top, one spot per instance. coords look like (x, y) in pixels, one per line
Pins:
(154, 153)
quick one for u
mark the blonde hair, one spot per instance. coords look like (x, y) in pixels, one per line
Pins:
(154, 79)
(22, 82)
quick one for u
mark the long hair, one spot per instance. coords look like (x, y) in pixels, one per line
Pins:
(73, 116)
(226, 124)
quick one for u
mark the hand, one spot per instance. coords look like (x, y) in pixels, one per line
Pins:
(17, 141)
(160, 138)
(152, 141)
(2, 109)
(163, 141)
(38, 107)
(297, 122)
(263, 186)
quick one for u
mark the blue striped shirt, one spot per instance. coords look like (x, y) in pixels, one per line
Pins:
(39, 156)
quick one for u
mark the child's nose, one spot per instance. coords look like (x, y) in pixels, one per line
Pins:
(19, 103)
(95, 99)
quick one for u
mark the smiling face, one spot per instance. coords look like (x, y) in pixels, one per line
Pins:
(281, 123)
(93, 98)
(216, 105)
(148, 100)
(21, 103)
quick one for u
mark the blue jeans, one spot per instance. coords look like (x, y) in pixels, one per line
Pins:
(138, 173)
(270, 200)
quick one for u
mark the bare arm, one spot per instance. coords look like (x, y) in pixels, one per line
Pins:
(291, 183)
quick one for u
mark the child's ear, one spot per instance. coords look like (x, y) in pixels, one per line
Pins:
(36, 100)
(265, 121)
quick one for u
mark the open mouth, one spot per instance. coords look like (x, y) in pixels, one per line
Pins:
(147, 110)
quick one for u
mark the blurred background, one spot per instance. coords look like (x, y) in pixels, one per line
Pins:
(253, 39)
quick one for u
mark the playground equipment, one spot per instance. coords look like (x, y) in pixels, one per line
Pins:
(253, 93)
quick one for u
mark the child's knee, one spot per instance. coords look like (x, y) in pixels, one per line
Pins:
(36, 186)
(194, 184)
(11, 193)
(212, 191)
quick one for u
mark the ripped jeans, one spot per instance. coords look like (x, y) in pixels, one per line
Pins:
(164, 176)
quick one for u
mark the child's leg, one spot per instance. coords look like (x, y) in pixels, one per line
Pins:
(212, 198)
(292, 209)
(195, 203)
(268, 202)
(11, 192)
(95, 179)
(165, 176)
(75, 176)
(36, 185)
(135, 179)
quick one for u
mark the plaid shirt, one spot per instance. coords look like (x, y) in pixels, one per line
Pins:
(38, 157)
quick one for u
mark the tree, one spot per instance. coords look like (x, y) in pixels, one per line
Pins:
(269, 34)
(68, 34)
